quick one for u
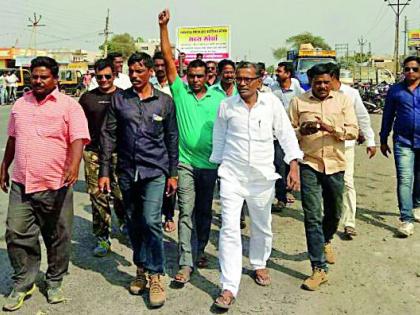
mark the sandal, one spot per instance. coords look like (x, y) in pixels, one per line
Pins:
(350, 232)
(202, 262)
(169, 226)
(225, 300)
(184, 274)
(262, 277)
(290, 198)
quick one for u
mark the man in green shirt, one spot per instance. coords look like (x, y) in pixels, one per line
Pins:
(226, 86)
(196, 111)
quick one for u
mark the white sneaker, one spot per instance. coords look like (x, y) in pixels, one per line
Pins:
(406, 228)
(416, 213)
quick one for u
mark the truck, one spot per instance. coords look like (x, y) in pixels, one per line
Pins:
(306, 57)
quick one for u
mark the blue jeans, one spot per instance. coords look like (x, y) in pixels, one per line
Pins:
(143, 203)
(319, 189)
(407, 163)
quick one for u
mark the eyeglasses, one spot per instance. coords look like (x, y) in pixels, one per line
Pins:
(246, 80)
(407, 69)
(100, 76)
(211, 68)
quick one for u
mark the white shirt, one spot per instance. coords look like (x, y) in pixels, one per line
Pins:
(121, 80)
(362, 115)
(243, 138)
(163, 88)
(11, 80)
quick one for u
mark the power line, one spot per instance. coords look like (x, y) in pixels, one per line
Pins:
(378, 19)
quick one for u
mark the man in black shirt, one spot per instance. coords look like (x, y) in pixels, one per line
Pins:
(95, 104)
(141, 125)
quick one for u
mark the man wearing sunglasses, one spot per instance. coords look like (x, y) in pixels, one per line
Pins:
(95, 103)
(121, 80)
(243, 146)
(196, 111)
(212, 72)
(402, 114)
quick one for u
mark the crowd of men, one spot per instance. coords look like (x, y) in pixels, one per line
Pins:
(155, 135)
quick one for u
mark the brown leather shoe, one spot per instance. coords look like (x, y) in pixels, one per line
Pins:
(329, 253)
(138, 285)
(157, 294)
(318, 277)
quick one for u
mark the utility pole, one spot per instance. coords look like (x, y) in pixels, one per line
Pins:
(398, 7)
(34, 24)
(362, 42)
(343, 49)
(106, 33)
(405, 35)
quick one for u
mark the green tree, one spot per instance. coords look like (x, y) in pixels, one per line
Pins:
(270, 69)
(295, 41)
(360, 58)
(139, 39)
(122, 43)
(306, 38)
(280, 53)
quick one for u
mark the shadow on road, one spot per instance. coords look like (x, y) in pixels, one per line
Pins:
(376, 218)
(81, 256)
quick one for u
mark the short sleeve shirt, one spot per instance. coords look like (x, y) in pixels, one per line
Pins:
(195, 119)
(43, 134)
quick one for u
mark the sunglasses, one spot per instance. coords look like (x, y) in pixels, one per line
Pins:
(100, 76)
(407, 69)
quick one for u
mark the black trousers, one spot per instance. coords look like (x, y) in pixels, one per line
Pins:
(50, 213)
(283, 169)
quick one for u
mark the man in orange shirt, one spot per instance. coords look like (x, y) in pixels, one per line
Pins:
(47, 131)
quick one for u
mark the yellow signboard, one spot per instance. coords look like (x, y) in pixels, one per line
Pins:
(316, 53)
(414, 38)
(211, 41)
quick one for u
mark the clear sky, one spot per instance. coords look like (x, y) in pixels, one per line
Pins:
(257, 26)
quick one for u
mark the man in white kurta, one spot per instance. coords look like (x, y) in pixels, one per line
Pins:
(243, 146)
(348, 216)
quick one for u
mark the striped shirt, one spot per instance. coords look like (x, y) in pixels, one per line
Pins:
(43, 133)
